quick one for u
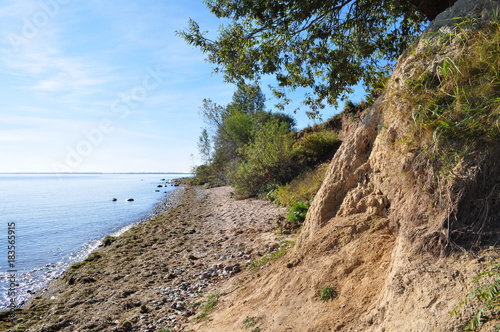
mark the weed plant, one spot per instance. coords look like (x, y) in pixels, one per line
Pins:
(212, 302)
(250, 322)
(297, 212)
(327, 293)
(207, 306)
(486, 295)
(284, 246)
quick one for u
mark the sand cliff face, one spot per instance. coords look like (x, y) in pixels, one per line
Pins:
(379, 169)
(386, 228)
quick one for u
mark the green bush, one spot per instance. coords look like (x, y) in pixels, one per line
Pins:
(201, 175)
(297, 212)
(327, 293)
(213, 174)
(315, 148)
(267, 160)
(303, 188)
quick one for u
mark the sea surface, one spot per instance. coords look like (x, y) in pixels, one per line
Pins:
(52, 220)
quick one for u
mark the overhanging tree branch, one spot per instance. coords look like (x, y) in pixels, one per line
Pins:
(326, 46)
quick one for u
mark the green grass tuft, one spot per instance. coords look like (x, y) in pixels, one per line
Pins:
(327, 293)
(486, 295)
(284, 246)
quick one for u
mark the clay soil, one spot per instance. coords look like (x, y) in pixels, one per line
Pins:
(160, 274)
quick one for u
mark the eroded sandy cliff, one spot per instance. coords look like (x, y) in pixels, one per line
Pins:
(397, 232)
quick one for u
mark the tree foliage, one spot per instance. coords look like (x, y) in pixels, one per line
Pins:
(326, 46)
(231, 128)
(255, 150)
(268, 159)
(204, 146)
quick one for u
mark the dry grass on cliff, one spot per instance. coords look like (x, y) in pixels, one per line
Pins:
(455, 102)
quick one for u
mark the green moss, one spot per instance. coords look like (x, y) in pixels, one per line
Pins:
(93, 257)
(75, 266)
(108, 240)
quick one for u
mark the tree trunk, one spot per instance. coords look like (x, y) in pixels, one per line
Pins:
(431, 8)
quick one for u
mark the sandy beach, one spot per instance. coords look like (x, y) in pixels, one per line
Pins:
(158, 274)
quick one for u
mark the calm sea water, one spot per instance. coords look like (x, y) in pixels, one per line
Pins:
(59, 219)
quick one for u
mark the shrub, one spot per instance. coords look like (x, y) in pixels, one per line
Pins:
(297, 212)
(315, 148)
(327, 293)
(267, 160)
(202, 174)
(213, 174)
(303, 188)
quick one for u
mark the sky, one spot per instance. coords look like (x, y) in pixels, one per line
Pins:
(105, 86)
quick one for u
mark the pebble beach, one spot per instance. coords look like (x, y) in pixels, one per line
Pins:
(155, 275)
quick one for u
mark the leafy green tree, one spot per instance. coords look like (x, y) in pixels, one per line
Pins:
(234, 125)
(204, 146)
(230, 129)
(247, 99)
(326, 46)
(268, 159)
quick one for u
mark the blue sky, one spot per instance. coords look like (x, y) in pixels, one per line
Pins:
(104, 86)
